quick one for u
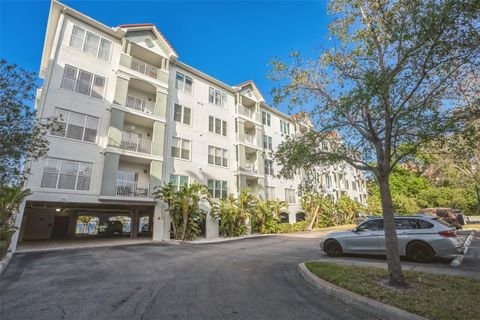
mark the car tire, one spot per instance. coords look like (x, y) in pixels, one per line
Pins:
(332, 248)
(420, 252)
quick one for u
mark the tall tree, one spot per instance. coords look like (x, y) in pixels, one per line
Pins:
(22, 135)
(385, 88)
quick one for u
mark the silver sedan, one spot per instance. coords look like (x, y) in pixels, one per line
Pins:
(420, 238)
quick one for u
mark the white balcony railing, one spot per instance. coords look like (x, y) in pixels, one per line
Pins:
(140, 104)
(248, 112)
(250, 167)
(250, 139)
(131, 143)
(135, 189)
(144, 68)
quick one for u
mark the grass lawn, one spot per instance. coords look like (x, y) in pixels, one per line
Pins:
(433, 296)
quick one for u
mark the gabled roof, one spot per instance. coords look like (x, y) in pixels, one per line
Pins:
(151, 27)
(254, 87)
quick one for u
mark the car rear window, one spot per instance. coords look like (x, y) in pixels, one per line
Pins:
(406, 224)
(442, 222)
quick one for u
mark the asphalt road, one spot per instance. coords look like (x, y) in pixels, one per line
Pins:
(247, 279)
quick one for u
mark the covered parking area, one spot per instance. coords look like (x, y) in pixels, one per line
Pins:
(56, 222)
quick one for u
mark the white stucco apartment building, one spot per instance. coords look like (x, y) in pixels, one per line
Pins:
(132, 116)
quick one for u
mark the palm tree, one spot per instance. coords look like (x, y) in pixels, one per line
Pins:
(277, 207)
(245, 203)
(264, 220)
(166, 194)
(228, 213)
(314, 204)
(10, 199)
(187, 200)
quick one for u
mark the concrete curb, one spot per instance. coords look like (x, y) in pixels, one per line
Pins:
(367, 305)
(221, 240)
(4, 262)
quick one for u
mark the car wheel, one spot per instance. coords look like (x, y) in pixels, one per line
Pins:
(420, 252)
(332, 248)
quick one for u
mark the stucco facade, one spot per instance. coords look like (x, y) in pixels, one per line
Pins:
(133, 116)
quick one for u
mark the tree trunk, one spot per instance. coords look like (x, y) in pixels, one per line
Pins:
(391, 242)
(477, 189)
(185, 224)
(310, 226)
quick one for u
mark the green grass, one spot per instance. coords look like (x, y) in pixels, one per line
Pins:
(433, 296)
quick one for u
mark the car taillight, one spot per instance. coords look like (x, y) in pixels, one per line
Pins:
(448, 233)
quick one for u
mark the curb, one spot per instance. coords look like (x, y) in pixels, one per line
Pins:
(4, 262)
(367, 305)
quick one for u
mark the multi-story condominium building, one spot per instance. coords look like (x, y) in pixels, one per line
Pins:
(131, 116)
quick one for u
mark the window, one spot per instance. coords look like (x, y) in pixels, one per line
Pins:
(66, 174)
(267, 142)
(184, 83)
(182, 114)
(268, 164)
(90, 43)
(75, 125)
(371, 225)
(290, 196)
(266, 118)
(83, 82)
(217, 156)
(328, 180)
(217, 126)
(409, 224)
(270, 193)
(284, 127)
(217, 97)
(217, 188)
(181, 148)
(178, 181)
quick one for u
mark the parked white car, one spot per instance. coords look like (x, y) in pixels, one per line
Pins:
(420, 238)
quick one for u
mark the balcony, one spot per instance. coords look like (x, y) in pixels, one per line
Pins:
(140, 104)
(251, 167)
(249, 113)
(144, 68)
(250, 139)
(134, 189)
(135, 144)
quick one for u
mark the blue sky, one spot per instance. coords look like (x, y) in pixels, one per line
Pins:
(232, 41)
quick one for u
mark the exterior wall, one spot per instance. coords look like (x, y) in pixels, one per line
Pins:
(197, 168)
(115, 117)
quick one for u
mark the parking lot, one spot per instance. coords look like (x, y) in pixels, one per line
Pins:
(249, 279)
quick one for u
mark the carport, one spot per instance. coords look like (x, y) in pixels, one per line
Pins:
(44, 222)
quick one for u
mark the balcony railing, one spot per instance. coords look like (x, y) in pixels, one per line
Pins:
(135, 144)
(250, 139)
(140, 104)
(251, 167)
(134, 189)
(144, 68)
(248, 112)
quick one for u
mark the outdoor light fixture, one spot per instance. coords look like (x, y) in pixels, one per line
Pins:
(58, 210)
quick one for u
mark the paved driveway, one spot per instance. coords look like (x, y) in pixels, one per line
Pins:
(247, 279)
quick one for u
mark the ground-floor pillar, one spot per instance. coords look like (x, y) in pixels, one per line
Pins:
(161, 223)
(134, 222)
(211, 224)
